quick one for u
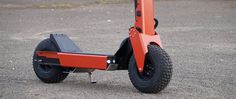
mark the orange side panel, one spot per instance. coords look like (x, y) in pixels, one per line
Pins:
(47, 54)
(83, 61)
(77, 60)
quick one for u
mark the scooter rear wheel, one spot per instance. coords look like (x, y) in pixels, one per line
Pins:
(157, 71)
(47, 73)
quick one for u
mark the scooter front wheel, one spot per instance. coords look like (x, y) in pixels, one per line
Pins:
(157, 71)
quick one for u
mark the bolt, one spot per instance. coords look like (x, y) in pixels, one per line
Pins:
(139, 68)
(108, 61)
(40, 60)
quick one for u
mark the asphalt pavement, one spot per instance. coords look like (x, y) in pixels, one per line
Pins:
(199, 35)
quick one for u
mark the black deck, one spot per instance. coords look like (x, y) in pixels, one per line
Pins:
(66, 45)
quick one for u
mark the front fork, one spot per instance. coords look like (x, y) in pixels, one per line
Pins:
(140, 42)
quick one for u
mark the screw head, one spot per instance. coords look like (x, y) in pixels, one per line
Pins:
(139, 68)
(108, 61)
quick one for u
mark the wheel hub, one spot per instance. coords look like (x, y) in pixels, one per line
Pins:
(148, 71)
(43, 68)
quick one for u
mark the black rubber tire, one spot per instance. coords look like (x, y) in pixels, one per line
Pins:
(161, 71)
(55, 73)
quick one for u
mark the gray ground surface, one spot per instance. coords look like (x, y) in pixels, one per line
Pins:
(199, 35)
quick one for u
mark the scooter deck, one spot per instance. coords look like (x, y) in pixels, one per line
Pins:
(70, 55)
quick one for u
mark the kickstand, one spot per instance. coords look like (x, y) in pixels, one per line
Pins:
(91, 78)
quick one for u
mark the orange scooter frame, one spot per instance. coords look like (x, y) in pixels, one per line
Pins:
(142, 54)
(141, 35)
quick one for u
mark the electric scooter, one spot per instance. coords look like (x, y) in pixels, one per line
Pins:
(142, 54)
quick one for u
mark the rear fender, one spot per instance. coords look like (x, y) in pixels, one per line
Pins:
(123, 54)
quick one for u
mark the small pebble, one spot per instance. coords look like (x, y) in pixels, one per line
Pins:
(109, 20)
